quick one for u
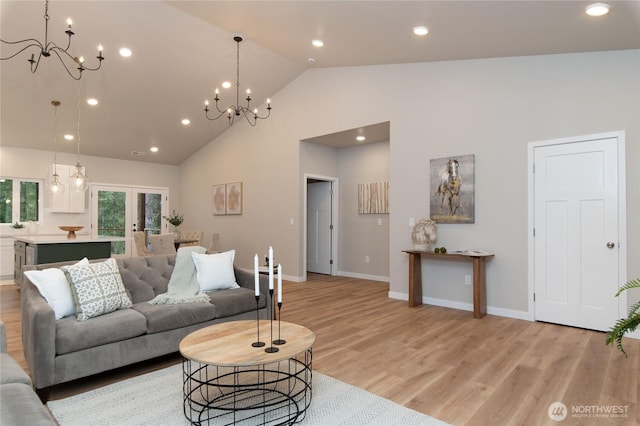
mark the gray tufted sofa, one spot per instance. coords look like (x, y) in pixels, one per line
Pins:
(67, 349)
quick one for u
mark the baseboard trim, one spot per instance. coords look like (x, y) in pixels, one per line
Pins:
(463, 306)
(363, 276)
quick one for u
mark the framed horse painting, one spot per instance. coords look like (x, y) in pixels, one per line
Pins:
(452, 189)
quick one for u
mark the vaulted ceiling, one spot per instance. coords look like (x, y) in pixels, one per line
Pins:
(182, 50)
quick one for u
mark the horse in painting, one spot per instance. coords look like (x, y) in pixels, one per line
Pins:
(449, 187)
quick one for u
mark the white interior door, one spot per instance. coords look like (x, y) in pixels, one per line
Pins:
(119, 210)
(576, 233)
(319, 227)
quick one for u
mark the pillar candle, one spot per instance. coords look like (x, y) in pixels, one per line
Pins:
(279, 283)
(270, 268)
(257, 278)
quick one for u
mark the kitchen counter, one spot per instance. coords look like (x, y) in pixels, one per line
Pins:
(62, 239)
(38, 249)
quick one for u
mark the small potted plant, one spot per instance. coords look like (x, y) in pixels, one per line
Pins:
(17, 225)
(625, 325)
(175, 220)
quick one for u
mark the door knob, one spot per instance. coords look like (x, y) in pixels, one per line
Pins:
(611, 245)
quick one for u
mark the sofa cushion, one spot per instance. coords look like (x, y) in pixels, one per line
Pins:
(170, 317)
(10, 371)
(234, 301)
(147, 276)
(21, 406)
(54, 287)
(215, 271)
(72, 335)
(96, 288)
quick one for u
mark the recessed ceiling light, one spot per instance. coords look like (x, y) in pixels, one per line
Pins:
(186, 121)
(421, 30)
(226, 84)
(317, 43)
(360, 138)
(125, 52)
(154, 149)
(92, 101)
(597, 9)
(68, 137)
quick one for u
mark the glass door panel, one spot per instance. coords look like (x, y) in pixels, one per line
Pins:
(110, 207)
(148, 212)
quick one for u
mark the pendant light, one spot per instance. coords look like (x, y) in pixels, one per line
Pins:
(55, 186)
(78, 181)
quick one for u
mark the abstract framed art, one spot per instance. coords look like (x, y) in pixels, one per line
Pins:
(234, 198)
(219, 200)
(452, 190)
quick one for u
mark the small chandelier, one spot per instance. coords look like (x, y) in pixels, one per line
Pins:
(56, 188)
(48, 47)
(79, 181)
(236, 110)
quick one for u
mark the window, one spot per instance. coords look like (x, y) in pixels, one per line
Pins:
(20, 200)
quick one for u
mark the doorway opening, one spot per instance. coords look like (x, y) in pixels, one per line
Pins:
(321, 236)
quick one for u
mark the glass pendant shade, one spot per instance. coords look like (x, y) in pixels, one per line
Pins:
(79, 182)
(56, 188)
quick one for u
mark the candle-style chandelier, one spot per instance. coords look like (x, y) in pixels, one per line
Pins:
(48, 47)
(236, 110)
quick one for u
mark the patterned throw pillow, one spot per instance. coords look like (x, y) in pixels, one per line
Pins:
(96, 289)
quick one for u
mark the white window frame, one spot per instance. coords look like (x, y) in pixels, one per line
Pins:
(15, 201)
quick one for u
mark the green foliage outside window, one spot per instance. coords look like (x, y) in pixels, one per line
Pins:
(6, 200)
(29, 201)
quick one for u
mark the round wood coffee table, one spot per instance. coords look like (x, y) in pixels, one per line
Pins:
(229, 381)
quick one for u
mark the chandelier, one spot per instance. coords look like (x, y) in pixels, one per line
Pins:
(237, 110)
(48, 47)
(56, 188)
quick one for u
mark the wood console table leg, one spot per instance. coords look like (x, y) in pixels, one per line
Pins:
(415, 280)
(479, 288)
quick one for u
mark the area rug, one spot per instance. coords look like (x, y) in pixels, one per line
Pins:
(156, 399)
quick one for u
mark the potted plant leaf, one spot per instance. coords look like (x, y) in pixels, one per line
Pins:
(625, 325)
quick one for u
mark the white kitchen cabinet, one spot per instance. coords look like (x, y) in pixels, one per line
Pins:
(70, 201)
(6, 257)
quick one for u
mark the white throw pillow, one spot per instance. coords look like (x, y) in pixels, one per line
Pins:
(215, 271)
(97, 289)
(54, 287)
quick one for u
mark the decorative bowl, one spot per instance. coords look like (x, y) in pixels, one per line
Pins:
(71, 231)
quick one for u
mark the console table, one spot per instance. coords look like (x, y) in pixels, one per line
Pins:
(479, 279)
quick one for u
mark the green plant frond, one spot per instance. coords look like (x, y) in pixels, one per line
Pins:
(634, 308)
(623, 326)
(631, 284)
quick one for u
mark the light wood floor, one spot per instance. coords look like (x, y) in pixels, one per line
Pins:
(439, 361)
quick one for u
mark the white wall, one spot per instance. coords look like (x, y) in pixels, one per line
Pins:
(490, 107)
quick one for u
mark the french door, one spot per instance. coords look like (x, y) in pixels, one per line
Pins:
(117, 211)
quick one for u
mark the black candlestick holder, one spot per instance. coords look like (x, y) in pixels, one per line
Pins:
(258, 344)
(279, 341)
(271, 349)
